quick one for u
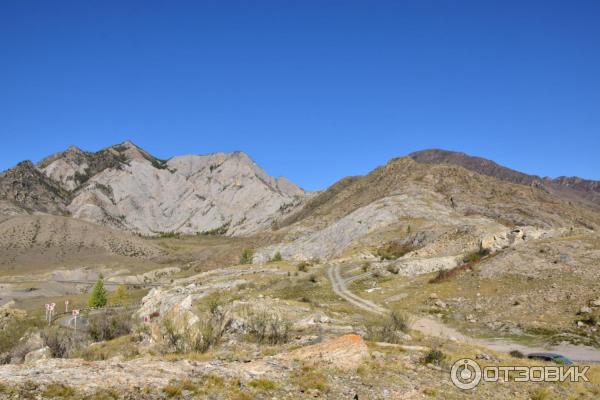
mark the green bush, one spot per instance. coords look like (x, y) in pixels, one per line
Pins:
(435, 357)
(276, 257)
(266, 327)
(389, 329)
(394, 250)
(247, 256)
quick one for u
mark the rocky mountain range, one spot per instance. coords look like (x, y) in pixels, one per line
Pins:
(125, 187)
(393, 274)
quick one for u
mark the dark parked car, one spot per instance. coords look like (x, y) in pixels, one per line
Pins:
(557, 358)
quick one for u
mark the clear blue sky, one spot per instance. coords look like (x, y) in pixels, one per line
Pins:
(313, 90)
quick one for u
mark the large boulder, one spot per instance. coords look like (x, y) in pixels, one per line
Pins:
(40, 354)
(30, 342)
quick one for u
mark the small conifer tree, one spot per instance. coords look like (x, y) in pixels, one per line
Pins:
(98, 297)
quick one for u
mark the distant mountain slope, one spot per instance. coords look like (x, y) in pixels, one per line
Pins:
(440, 198)
(572, 188)
(125, 187)
(45, 239)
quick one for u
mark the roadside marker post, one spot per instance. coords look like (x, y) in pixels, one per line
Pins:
(66, 305)
(51, 312)
(48, 313)
(75, 315)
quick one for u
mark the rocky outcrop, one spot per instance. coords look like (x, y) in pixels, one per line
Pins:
(25, 187)
(345, 352)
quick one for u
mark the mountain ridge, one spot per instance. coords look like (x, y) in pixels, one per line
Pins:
(571, 187)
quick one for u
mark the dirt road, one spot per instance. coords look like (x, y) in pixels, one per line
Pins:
(432, 327)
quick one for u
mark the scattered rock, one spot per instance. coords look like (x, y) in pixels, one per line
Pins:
(585, 310)
(440, 304)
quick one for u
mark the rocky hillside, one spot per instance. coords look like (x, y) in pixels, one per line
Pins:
(26, 189)
(422, 202)
(125, 187)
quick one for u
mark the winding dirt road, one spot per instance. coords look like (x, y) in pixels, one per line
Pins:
(432, 327)
(339, 287)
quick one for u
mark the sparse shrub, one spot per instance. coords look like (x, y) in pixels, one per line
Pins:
(394, 250)
(219, 231)
(109, 325)
(590, 320)
(313, 278)
(390, 329)
(475, 256)
(215, 305)
(247, 256)
(169, 235)
(104, 394)
(172, 391)
(262, 384)
(393, 269)
(307, 378)
(266, 327)
(62, 343)
(276, 257)
(199, 337)
(59, 390)
(303, 266)
(516, 354)
(366, 265)
(98, 297)
(447, 274)
(435, 357)
(541, 393)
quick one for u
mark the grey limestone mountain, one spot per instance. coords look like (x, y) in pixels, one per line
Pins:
(125, 187)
